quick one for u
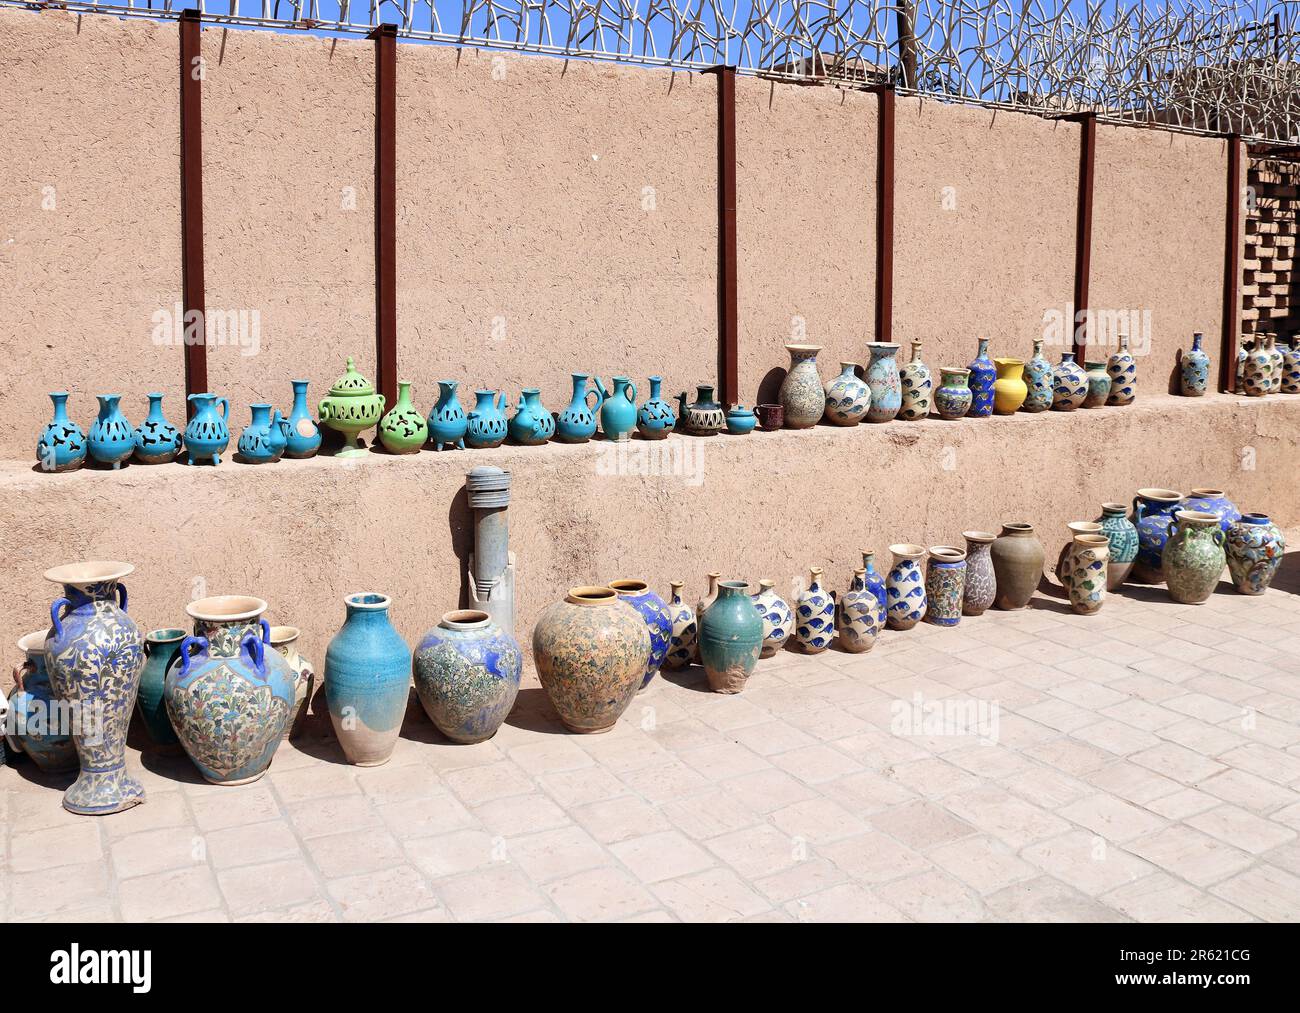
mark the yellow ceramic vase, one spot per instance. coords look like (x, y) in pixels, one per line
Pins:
(1009, 391)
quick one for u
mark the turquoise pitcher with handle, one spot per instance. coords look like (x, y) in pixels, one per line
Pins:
(207, 434)
(577, 423)
(487, 422)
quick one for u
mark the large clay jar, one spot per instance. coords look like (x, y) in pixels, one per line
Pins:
(981, 583)
(94, 653)
(62, 444)
(231, 700)
(1153, 509)
(1194, 369)
(859, 622)
(918, 387)
(1254, 550)
(1070, 386)
(1123, 540)
(802, 396)
(775, 615)
(1018, 558)
(1098, 385)
(658, 622)
(367, 680)
(447, 421)
(404, 429)
(875, 583)
(34, 712)
(682, 642)
(467, 672)
(591, 651)
(1087, 575)
(905, 602)
(1193, 558)
(1121, 367)
(1040, 380)
(814, 616)
(847, 397)
(655, 419)
(983, 375)
(1076, 528)
(731, 638)
(945, 585)
(160, 650)
(1009, 389)
(284, 641)
(953, 398)
(884, 381)
(1213, 501)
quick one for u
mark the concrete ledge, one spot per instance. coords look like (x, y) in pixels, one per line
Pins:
(301, 534)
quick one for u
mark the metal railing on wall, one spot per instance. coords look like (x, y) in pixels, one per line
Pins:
(1213, 66)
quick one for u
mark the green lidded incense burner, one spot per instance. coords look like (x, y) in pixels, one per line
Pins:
(353, 406)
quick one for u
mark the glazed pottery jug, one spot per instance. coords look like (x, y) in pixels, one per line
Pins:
(1153, 509)
(230, 701)
(467, 671)
(1018, 559)
(656, 418)
(111, 439)
(953, 398)
(1254, 550)
(353, 406)
(1290, 369)
(1256, 374)
(1275, 359)
(705, 417)
(1040, 379)
(487, 421)
(905, 602)
(1123, 540)
(859, 623)
(403, 430)
(731, 638)
(710, 596)
(591, 652)
(1193, 559)
(775, 615)
(945, 585)
(658, 622)
(447, 421)
(1009, 389)
(875, 583)
(1063, 565)
(367, 680)
(304, 433)
(62, 445)
(917, 385)
(1194, 369)
(284, 641)
(279, 436)
(1070, 387)
(1213, 501)
(1087, 576)
(1121, 367)
(33, 718)
(983, 375)
(1098, 385)
(802, 396)
(93, 654)
(884, 381)
(681, 644)
(980, 587)
(207, 434)
(617, 410)
(532, 425)
(814, 616)
(770, 416)
(157, 441)
(740, 420)
(847, 397)
(160, 650)
(255, 443)
(577, 423)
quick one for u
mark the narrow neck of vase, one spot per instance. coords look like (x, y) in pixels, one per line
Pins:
(733, 589)
(984, 347)
(1196, 342)
(261, 414)
(155, 406)
(60, 400)
(108, 404)
(655, 383)
(80, 594)
(404, 393)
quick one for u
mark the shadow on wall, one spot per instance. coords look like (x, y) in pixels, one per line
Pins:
(769, 388)
(460, 522)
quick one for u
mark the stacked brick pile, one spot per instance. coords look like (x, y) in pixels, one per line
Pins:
(1270, 296)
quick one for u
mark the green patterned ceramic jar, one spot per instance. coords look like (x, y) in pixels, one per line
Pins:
(1193, 558)
(1123, 538)
(1087, 574)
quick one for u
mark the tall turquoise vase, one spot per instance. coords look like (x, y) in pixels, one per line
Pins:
(33, 708)
(731, 638)
(487, 422)
(983, 375)
(157, 441)
(447, 421)
(94, 653)
(618, 410)
(532, 425)
(367, 680)
(111, 439)
(577, 423)
(467, 671)
(160, 649)
(304, 432)
(62, 444)
(208, 434)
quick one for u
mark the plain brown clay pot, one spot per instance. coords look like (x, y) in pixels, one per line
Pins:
(1017, 563)
(770, 416)
(1063, 563)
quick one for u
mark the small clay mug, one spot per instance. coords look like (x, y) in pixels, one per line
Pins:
(770, 416)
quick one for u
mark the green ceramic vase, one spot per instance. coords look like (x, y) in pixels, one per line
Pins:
(731, 637)
(160, 649)
(1193, 559)
(403, 430)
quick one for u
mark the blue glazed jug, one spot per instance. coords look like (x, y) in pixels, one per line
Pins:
(264, 438)
(617, 410)
(34, 712)
(367, 680)
(304, 434)
(447, 422)
(487, 422)
(656, 418)
(577, 423)
(532, 425)
(62, 446)
(983, 375)
(157, 441)
(112, 440)
(207, 435)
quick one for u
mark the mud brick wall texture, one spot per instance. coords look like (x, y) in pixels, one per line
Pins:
(1270, 298)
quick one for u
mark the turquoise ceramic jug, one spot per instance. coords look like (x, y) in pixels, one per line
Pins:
(62, 446)
(207, 435)
(656, 418)
(263, 440)
(112, 440)
(447, 422)
(487, 422)
(367, 680)
(532, 425)
(577, 423)
(157, 441)
(304, 433)
(617, 410)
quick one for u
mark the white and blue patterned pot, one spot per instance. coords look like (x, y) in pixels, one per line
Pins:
(94, 653)
(859, 623)
(884, 381)
(1290, 369)
(847, 397)
(953, 398)
(1070, 384)
(1153, 509)
(1123, 369)
(658, 621)
(1123, 539)
(874, 583)
(905, 601)
(1040, 379)
(778, 620)
(681, 643)
(918, 387)
(467, 672)
(1213, 501)
(1194, 369)
(802, 395)
(1257, 372)
(1276, 361)
(1254, 548)
(814, 616)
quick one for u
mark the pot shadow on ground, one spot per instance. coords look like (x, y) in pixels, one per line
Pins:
(25, 767)
(690, 677)
(1288, 574)
(533, 712)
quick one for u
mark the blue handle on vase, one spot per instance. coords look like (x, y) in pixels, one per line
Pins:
(186, 644)
(55, 622)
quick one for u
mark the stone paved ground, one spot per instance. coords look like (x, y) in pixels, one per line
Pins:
(1146, 765)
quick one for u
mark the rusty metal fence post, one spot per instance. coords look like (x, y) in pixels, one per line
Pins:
(385, 38)
(193, 298)
(885, 213)
(1083, 231)
(728, 321)
(1232, 269)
